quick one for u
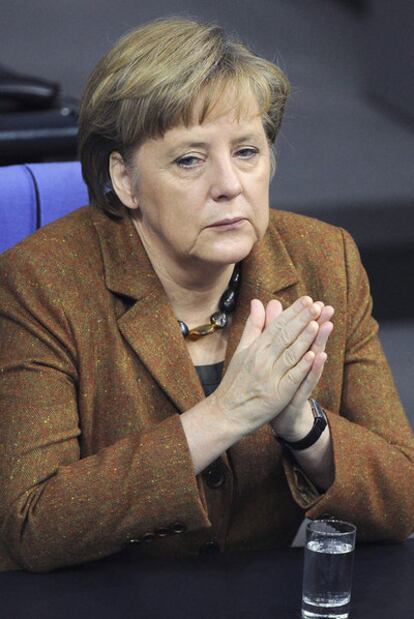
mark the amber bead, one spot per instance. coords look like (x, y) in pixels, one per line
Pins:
(206, 329)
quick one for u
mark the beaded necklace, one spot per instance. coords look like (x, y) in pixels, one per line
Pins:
(219, 319)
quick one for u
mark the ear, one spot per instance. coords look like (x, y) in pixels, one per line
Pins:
(122, 182)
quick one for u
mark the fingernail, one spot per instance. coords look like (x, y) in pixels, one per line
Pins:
(313, 311)
(306, 301)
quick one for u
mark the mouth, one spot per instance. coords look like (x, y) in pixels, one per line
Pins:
(235, 222)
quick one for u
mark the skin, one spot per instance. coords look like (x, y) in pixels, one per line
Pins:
(203, 173)
(176, 187)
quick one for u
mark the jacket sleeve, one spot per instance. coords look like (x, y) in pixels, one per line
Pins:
(373, 443)
(56, 507)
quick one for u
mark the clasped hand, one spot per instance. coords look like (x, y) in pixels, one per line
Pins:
(276, 366)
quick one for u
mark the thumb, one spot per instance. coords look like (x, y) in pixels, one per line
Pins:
(254, 324)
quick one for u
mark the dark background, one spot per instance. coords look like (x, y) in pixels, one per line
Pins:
(346, 150)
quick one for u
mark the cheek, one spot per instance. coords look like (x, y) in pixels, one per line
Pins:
(156, 205)
(260, 203)
(176, 218)
(183, 207)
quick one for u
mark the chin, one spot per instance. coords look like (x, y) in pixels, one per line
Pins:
(229, 248)
(234, 252)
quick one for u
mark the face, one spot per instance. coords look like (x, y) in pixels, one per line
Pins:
(199, 194)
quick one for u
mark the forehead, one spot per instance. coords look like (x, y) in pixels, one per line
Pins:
(223, 122)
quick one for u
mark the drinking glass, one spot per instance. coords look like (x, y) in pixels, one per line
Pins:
(327, 576)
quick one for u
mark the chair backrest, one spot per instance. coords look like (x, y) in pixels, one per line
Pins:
(32, 195)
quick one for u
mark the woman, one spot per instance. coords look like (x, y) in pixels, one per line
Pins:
(113, 317)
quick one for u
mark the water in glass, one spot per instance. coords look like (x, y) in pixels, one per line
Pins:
(327, 579)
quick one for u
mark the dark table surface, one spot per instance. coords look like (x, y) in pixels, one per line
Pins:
(241, 585)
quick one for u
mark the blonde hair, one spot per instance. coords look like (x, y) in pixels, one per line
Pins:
(150, 81)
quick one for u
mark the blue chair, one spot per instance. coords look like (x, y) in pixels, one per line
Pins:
(33, 195)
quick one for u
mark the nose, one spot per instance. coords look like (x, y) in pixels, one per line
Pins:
(225, 184)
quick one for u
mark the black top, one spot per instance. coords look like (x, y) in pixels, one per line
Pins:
(210, 376)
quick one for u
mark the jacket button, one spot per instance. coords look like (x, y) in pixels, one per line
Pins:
(177, 527)
(147, 537)
(162, 532)
(214, 475)
(209, 548)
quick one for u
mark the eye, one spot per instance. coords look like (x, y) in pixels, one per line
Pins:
(189, 161)
(247, 153)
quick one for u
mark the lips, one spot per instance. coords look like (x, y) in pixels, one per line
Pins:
(226, 222)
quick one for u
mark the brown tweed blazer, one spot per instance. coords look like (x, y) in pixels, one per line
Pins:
(94, 373)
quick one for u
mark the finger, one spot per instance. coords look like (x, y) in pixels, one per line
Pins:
(294, 353)
(322, 337)
(290, 312)
(273, 310)
(254, 324)
(257, 314)
(283, 331)
(310, 381)
(326, 314)
(292, 380)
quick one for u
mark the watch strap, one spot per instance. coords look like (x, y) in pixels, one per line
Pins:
(319, 425)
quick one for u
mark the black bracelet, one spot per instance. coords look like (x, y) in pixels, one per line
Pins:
(319, 425)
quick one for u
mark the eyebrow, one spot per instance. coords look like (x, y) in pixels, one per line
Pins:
(188, 144)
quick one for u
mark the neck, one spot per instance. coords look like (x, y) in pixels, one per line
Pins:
(193, 289)
(194, 303)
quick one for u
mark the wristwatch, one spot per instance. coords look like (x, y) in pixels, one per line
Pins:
(319, 425)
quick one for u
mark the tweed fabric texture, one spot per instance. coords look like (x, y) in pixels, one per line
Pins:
(94, 373)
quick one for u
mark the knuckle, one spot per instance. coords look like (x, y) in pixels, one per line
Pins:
(289, 357)
(282, 334)
(294, 378)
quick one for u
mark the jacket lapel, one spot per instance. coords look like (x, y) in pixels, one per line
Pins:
(149, 325)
